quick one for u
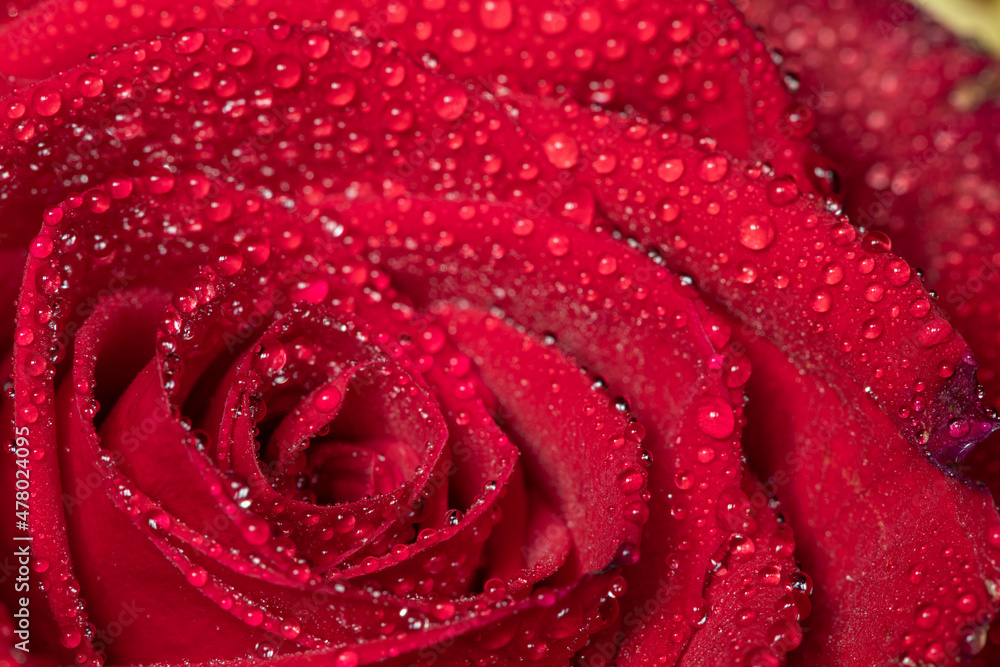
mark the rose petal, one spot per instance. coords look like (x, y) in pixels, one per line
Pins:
(678, 383)
(925, 539)
(671, 61)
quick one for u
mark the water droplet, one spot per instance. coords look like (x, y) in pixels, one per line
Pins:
(237, 53)
(968, 603)
(197, 576)
(897, 272)
(552, 22)
(496, 14)
(347, 659)
(715, 418)
(667, 84)
(920, 308)
(821, 300)
(843, 233)
(741, 547)
(41, 247)
(756, 232)
(746, 274)
(159, 181)
(833, 273)
(630, 481)
(874, 292)
(561, 150)
(523, 227)
(876, 242)
(670, 170)
(398, 117)
(558, 244)
(934, 332)
(494, 590)
(669, 209)
(713, 168)
(340, 91)
(257, 532)
(958, 428)
(732, 511)
(872, 328)
(927, 616)
(605, 163)
(227, 259)
(328, 399)
(782, 191)
(90, 84)
(444, 611)
(451, 103)
(284, 71)
(462, 39)
(607, 265)
(46, 102)
(188, 41)
(314, 46)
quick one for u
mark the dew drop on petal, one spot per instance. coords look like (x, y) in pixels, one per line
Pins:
(876, 242)
(227, 259)
(821, 300)
(833, 273)
(523, 227)
(451, 103)
(756, 232)
(605, 163)
(328, 399)
(41, 247)
(340, 91)
(607, 265)
(314, 46)
(716, 418)
(713, 168)
(670, 170)
(197, 576)
(958, 428)
(872, 328)
(46, 102)
(927, 616)
(874, 292)
(897, 272)
(561, 150)
(552, 22)
(558, 244)
(90, 84)
(934, 332)
(284, 71)
(347, 659)
(782, 191)
(188, 41)
(496, 14)
(237, 52)
(669, 209)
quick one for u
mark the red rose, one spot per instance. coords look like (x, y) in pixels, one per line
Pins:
(430, 342)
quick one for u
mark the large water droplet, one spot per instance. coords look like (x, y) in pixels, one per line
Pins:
(821, 300)
(756, 231)
(496, 14)
(713, 168)
(715, 418)
(670, 170)
(451, 103)
(561, 150)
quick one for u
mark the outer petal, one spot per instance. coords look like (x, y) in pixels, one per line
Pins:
(918, 580)
(699, 65)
